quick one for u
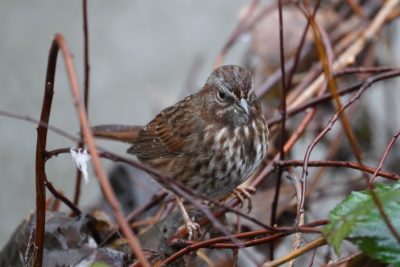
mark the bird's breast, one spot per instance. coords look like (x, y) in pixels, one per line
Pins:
(233, 154)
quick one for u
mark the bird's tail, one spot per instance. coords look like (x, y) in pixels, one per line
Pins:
(123, 133)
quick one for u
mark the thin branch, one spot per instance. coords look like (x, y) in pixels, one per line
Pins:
(299, 49)
(375, 196)
(332, 121)
(86, 62)
(78, 179)
(274, 204)
(294, 254)
(109, 155)
(328, 96)
(40, 151)
(297, 236)
(62, 198)
(383, 158)
(98, 167)
(326, 62)
(349, 55)
(345, 164)
(258, 238)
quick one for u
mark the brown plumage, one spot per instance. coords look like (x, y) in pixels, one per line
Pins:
(210, 141)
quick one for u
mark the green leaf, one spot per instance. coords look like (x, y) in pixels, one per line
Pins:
(358, 220)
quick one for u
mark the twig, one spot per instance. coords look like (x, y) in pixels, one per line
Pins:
(356, 70)
(61, 197)
(221, 242)
(40, 152)
(349, 55)
(188, 249)
(327, 67)
(86, 54)
(274, 204)
(86, 65)
(313, 258)
(335, 163)
(152, 202)
(294, 254)
(367, 83)
(375, 196)
(40, 123)
(383, 158)
(345, 260)
(299, 49)
(297, 236)
(328, 96)
(98, 167)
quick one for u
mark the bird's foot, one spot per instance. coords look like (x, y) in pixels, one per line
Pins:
(243, 193)
(193, 229)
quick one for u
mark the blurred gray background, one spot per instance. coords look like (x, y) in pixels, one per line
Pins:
(141, 54)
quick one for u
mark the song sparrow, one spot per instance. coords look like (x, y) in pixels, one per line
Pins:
(210, 141)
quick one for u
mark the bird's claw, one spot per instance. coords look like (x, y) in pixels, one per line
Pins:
(193, 229)
(244, 193)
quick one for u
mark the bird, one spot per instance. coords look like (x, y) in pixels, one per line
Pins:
(210, 141)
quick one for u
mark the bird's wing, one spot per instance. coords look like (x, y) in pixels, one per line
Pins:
(168, 134)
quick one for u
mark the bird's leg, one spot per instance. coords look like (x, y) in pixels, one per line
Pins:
(192, 227)
(243, 193)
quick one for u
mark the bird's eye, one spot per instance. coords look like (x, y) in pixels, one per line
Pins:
(221, 95)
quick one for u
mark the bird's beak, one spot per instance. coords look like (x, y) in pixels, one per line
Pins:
(243, 103)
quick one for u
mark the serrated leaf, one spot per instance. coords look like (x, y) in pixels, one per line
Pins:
(358, 220)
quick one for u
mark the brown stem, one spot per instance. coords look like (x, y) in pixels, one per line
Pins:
(294, 254)
(375, 196)
(274, 204)
(61, 197)
(40, 154)
(78, 179)
(258, 238)
(346, 164)
(96, 162)
(328, 96)
(332, 121)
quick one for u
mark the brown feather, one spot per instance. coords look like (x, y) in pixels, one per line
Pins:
(123, 133)
(165, 136)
